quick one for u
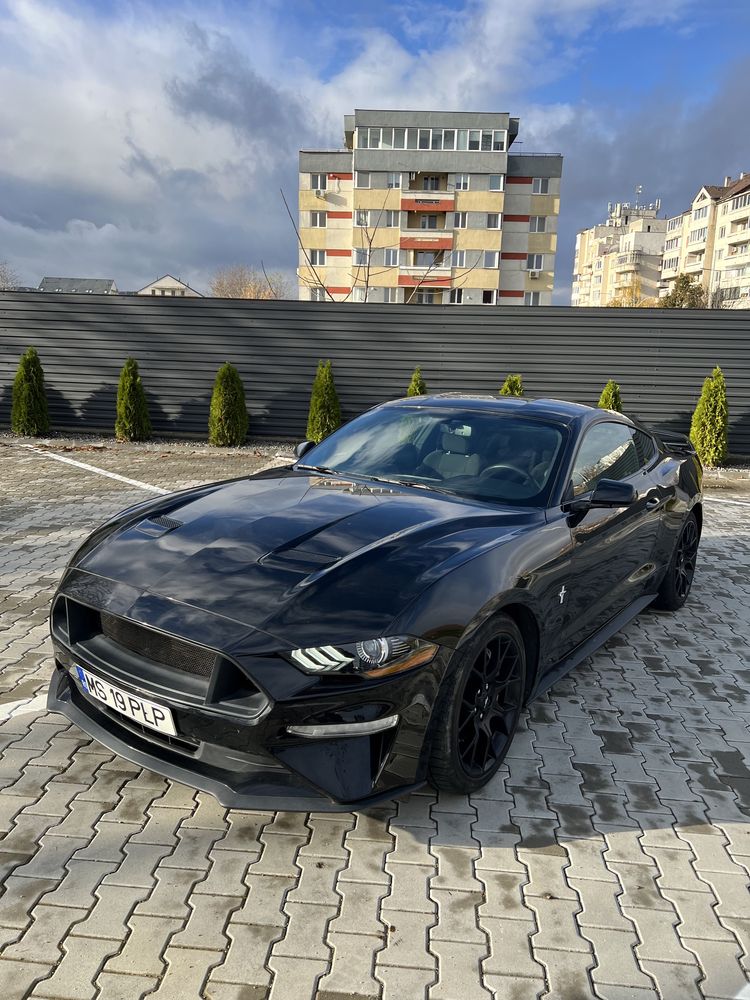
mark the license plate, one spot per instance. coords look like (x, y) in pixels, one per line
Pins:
(154, 716)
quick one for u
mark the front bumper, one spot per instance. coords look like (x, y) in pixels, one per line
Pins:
(242, 753)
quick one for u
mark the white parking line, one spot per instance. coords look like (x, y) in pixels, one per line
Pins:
(737, 503)
(92, 468)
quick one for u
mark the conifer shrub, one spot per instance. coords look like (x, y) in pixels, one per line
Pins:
(227, 417)
(512, 386)
(325, 412)
(132, 422)
(417, 386)
(610, 398)
(709, 429)
(29, 415)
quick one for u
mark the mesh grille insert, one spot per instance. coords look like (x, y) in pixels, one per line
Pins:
(165, 522)
(175, 653)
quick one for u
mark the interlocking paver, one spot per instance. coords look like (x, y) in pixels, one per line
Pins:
(611, 852)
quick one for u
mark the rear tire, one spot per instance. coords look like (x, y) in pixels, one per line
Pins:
(478, 710)
(675, 587)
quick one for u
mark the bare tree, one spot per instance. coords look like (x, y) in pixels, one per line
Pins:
(238, 281)
(8, 277)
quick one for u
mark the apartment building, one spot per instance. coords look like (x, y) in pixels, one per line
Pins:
(711, 243)
(619, 259)
(428, 207)
(730, 280)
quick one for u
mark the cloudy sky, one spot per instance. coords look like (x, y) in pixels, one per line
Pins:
(138, 138)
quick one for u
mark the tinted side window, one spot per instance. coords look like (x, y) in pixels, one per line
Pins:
(607, 452)
(645, 447)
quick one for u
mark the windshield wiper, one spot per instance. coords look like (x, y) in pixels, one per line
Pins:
(318, 468)
(411, 482)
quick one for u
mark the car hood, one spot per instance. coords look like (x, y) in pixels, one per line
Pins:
(297, 555)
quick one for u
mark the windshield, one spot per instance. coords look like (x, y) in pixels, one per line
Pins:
(481, 454)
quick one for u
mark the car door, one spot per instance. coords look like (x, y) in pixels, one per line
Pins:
(612, 549)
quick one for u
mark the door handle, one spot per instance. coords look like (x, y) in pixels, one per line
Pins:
(653, 502)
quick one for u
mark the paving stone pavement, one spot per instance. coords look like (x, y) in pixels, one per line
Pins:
(609, 858)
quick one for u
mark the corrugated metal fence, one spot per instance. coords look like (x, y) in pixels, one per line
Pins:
(660, 357)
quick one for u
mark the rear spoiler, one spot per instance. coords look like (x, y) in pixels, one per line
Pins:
(678, 444)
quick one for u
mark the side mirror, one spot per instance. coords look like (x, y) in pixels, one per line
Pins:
(609, 493)
(303, 447)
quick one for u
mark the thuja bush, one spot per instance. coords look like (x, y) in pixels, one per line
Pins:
(28, 413)
(417, 386)
(325, 412)
(610, 398)
(132, 422)
(709, 429)
(227, 417)
(512, 386)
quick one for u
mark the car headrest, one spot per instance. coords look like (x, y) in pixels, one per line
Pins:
(454, 443)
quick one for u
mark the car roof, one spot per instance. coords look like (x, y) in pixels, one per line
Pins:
(560, 410)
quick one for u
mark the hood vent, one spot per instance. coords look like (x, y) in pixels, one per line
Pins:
(158, 525)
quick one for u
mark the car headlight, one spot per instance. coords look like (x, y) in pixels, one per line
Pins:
(371, 657)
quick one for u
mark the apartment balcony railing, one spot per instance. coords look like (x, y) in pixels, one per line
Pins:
(629, 261)
(427, 201)
(429, 270)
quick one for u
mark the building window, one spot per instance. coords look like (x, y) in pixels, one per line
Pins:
(531, 298)
(390, 295)
(459, 258)
(318, 182)
(424, 138)
(428, 222)
(362, 179)
(449, 138)
(361, 257)
(535, 262)
(456, 296)
(431, 183)
(153, 290)
(391, 258)
(424, 258)
(670, 264)
(540, 185)
(394, 180)
(460, 220)
(317, 294)
(497, 182)
(318, 220)
(489, 297)
(362, 217)
(427, 297)
(490, 258)
(672, 243)
(390, 219)
(722, 232)
(493, 220)
(674, 224)
(701, 213)
(498, 141)
(358, 293)
(698, 235)
(538, 224)
(317, 257)
(462, 182)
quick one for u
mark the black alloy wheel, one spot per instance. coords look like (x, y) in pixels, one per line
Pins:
(480, 708)
(685, 557)
(675, 587)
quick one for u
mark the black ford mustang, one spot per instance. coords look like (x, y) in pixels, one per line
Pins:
(376, 615)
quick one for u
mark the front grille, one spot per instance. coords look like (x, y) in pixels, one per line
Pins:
(175, 653)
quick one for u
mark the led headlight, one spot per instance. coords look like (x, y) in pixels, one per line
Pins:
(371, 657)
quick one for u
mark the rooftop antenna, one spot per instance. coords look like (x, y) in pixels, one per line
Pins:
(638, 192)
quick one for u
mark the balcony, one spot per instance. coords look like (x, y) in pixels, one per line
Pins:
(629, 261)
(428, 201)
(426, 239)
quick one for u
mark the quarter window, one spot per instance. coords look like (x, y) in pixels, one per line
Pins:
(645, 448)
(607, 452)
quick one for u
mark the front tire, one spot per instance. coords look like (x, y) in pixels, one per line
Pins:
(675, 587)
(479, 708)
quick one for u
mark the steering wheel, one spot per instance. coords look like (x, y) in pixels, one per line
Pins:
(519, 475)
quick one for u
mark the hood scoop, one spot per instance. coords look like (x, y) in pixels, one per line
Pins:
(159, 525)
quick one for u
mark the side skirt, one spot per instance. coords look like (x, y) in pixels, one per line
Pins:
(590, 645)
